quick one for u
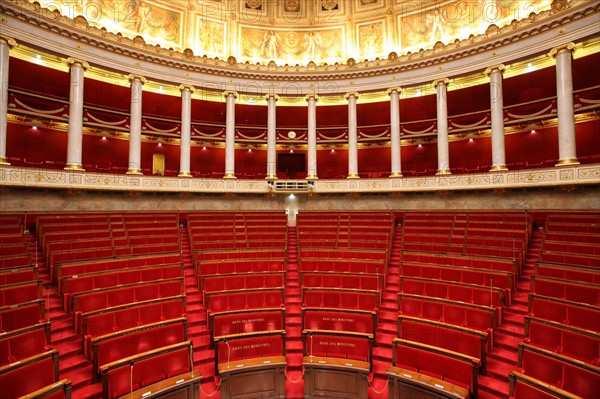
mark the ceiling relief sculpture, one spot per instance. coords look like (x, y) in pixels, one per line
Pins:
(297, 32)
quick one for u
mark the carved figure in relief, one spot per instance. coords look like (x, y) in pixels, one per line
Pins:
(313, 46)
(270, 45)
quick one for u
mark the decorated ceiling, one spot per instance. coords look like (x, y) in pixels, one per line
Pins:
(297, 31)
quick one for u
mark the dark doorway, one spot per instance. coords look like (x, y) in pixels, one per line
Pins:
(292, 165)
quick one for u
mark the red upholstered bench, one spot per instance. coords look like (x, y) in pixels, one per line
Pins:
(250, 347)
(338, 344)
(111, 347)
(454, 338)
(128, 316)
(339, 320)
(522, 386)
(146, 368)
(18, 275)
(15, 378)
(90, 301)
(340, 299)
(574, 273)
(22, 315)
(24, 342)
(565, 289)
(455, 368)
(13, 294)
(566, 312)
(223, 326)
(15, 261)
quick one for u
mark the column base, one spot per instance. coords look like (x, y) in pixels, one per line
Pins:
(75, 167)
(136, 172)
(271, 177)
(498, 168)
(312, 177)
(568, 162)
(185, 174)
(443, 172)
(229, 176)
(4, 161)
(395, 174)
(353, 176)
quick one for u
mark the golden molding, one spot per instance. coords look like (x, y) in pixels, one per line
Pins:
(80, 30)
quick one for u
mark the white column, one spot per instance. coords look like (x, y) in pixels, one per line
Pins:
(497, 116)
(6, 44)
(75, 135)
(230, 135)
(394, 94)
(312, 137)
(186, 127)
(352, 136)
(271, 136)
(567, 151)
(441, 86)
(135, 125)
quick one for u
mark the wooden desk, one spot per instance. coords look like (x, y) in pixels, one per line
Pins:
(335, 378)
(182, 386)
(262, 377)
(404, 383)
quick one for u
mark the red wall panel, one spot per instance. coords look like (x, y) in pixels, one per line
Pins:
(36, 78)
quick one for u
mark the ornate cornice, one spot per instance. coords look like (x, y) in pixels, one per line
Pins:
(556, 21)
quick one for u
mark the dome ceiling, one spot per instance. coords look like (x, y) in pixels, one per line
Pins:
(297, 31)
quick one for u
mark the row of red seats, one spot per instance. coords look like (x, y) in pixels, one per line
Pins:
(571, 341)
(564, 289)
(571, 247)
(337, 344)
(225, 325)
(346, 320)
(88, 302)
(346, 254)
(250, 347)
(22, 315)
(121, 378)
(237, 244)
(130, 229)
(241, 253)
(73, 245)
(583, 227)
(347, 266)
(221, 302)
(91, 281)
(454, 368)
(12, 229)
(368, 282)
(237, 282)
(122, 344)
(564, 258)
(341, 299)
(504, 265)
(481, 277)
(16, 379)
(565, 312)
(455, 291)
(11, 250)
(90, 217)
(574, 217)
(563, 272)
(18, 275)
(492, 232)
(498, 217)
(345, 244)
(462, 249)
(558, 371)
(128, 316)
(582, 238)
(455, 338)
(523, 386)
(237, 266)
(24, 342)
(83, 234)
(69, 269)
(450, 312)
(10, 239)
(13, 294)
(15, 261)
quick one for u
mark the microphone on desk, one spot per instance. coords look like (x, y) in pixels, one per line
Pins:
(228, 352)
(491, 292)
(131, 378)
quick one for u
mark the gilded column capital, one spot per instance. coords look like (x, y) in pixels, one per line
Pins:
(9, 41)
(393, 90)
(563, 48)
(183, 87)
(351, 94)
(76, 61)
(233, 93)
(500, 67)
(313, 96)
(133, 76)
(436, 82)
(273, 95)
